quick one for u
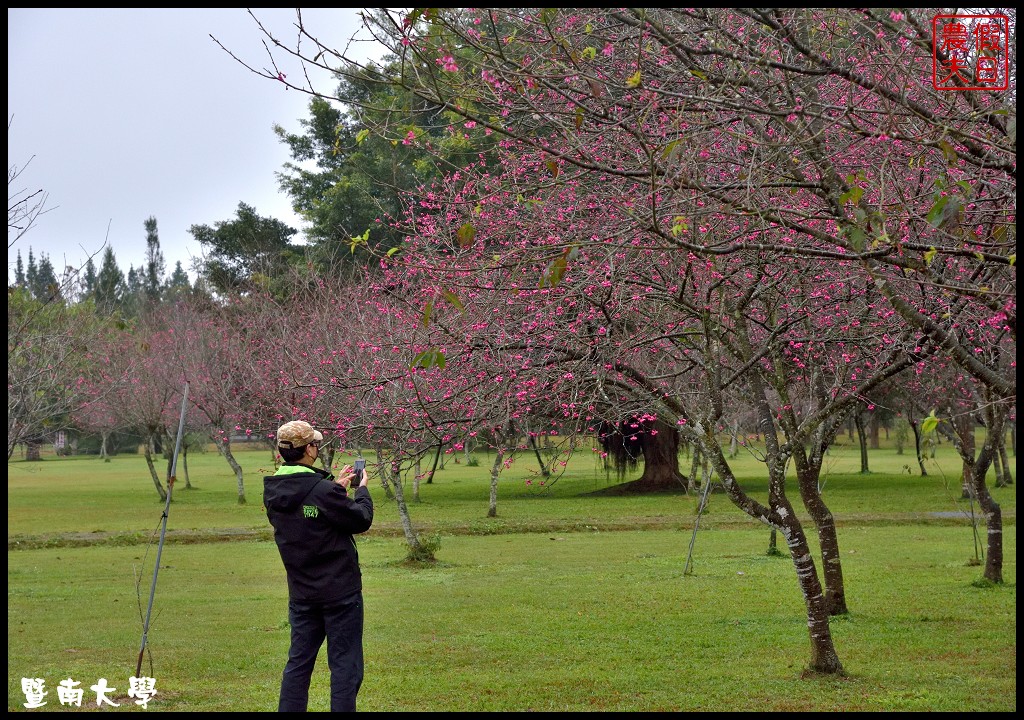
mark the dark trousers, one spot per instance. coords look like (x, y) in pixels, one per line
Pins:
(341, 623)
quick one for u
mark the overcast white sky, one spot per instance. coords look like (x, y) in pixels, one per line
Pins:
(119, 115)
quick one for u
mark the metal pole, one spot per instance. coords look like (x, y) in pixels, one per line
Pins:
(696, 523)
(163, 528)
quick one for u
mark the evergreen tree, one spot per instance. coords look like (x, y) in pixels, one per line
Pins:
(135, 291)
(133, 281)
(89, 280)
(247, 252)
(109, 283)
(43, 284)
(153, 279)
(32, 272)
(178, 286)
(357, 167)
(19, 272)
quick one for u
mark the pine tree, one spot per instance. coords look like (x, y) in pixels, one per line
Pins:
(109, 283)
(153, 271)
(32, 272)
(89, 280)
(178, 285)
(19, 272)
(43, 281)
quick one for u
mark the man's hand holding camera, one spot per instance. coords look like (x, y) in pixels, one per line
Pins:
(355, 474)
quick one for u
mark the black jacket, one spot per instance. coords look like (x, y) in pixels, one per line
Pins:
(314, 520)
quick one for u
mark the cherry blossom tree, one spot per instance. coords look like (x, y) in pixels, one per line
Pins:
(150, 400)
(111, 370)
(664, 173)
(332, 355)
(214, 356)
(960, 404)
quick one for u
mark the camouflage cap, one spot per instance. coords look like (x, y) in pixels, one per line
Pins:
(296, 434)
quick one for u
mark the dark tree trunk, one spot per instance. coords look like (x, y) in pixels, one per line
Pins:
(148, 444)
(976, 470)
(828, 539)
(172, 470)
(224, 446)
(433, 468)
(692, 482)
(657, 442)
(997, 465)
(622, 446)
(861, 435)
(773, 544)
(824, 658)
(781, 517)
(536, 451)
(1007, 474)
(184, 465)
(661, 460)
(993, 515)
(1004, 477)
(963, 440)
(917, 447)
(778, 513)
(32, 450)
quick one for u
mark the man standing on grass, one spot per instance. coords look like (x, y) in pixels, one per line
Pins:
(314, 519)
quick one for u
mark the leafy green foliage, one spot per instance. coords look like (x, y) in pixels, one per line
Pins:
(41, 278)
(929, 423)
(369, 162)
(557, 267)
(238, 250)
(429, 359)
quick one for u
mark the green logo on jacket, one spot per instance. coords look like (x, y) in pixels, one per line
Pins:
(310, 511)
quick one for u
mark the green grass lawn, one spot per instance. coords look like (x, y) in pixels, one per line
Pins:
(85, 495)
(568, 600)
